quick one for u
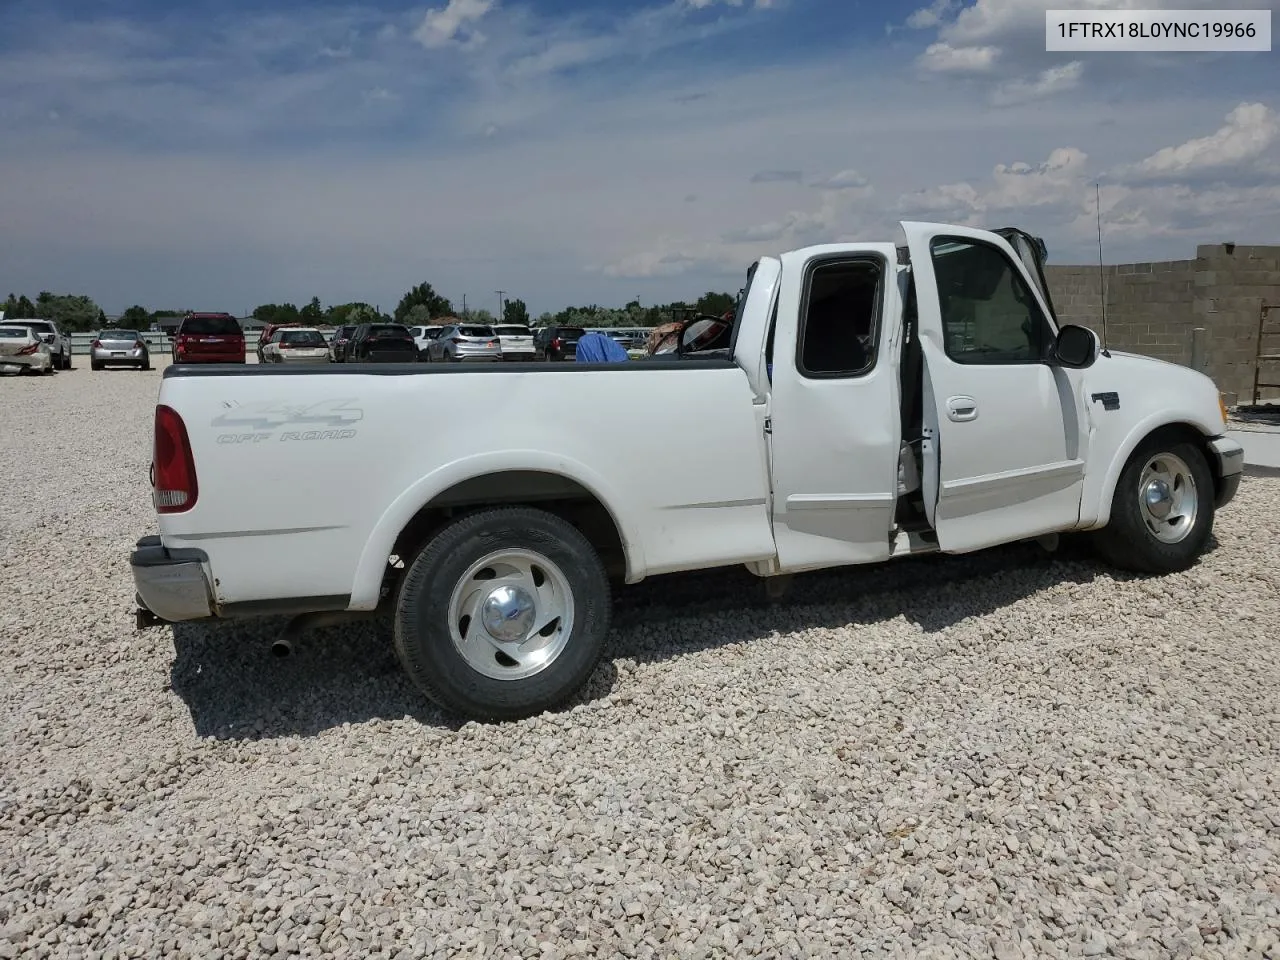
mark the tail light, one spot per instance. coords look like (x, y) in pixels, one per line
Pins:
(493, 343)
(173, 465)
(555, 344)
(97, 345)
(27, 351)
(455, 339)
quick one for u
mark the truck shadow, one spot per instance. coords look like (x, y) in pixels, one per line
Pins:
(235, 689)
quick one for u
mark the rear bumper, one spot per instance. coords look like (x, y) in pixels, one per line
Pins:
(35, 361)
(107, 356)
(171, 584)
(1228, 467)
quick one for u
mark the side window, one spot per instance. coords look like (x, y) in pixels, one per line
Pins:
(840, 330)
(989, 314)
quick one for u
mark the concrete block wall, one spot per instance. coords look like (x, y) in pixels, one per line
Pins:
(1152, 309)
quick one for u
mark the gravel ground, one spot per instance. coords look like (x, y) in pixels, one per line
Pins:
(1007, 755)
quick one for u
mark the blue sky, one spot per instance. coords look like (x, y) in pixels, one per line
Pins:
(216, 155)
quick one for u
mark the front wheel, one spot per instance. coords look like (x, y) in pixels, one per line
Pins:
(503, 614)
(1162, 511)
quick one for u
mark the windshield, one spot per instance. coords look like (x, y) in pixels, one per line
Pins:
(513, 331)
(210, 326)
(303, 338)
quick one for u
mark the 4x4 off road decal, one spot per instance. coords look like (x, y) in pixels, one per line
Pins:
(328, 420)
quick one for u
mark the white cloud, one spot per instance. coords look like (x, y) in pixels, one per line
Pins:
(559, 160)
(1059, 181)
(932, 15)
(1249, 132)
(777, 176)
(1047, 83)
(944, 58)
(844, 180)
(442, 26)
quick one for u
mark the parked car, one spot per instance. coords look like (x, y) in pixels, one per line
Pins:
(119, 348)
(23, 350)
(516, 341)
(382, 343)
(422, 337)
(557, 343)
(208, 338)
(265, 335)
(296, 345)
(864, 402)
(50, 333)
(339, 341)
(465, 341)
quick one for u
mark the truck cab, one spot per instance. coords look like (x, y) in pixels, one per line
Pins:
(954, 411)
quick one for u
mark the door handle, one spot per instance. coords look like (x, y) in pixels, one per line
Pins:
(961, 409)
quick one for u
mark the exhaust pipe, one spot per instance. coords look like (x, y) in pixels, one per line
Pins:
(282, 646)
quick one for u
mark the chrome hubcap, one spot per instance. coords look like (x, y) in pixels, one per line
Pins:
(511, 614)
(1167, 497)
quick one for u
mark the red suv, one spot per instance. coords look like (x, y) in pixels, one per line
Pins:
(208, 338)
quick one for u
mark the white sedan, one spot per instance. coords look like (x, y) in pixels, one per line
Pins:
(22, 351)
(296, 345)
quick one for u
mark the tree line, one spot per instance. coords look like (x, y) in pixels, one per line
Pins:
(419, 306)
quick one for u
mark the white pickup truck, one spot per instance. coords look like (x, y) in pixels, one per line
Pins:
(867, 401)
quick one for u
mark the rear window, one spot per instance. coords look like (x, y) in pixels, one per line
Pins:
(118, 335)
(344, 332)
(513, 331)
(39, 326)
(475, 331)
(571, 333)
(210, 326)
(305, 338)
(388, 330)
(13, 333)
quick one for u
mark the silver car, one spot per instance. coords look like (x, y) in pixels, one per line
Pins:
(22, 350)
(119, 348)
(465, 341)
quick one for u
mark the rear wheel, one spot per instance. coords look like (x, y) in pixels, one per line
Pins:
(94, 365)
(503, 614)
(1162, 510)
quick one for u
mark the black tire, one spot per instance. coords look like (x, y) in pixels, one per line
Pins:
(94, 365)
(66, 361)
(423, 639)
(146, 364)
(1127, 543)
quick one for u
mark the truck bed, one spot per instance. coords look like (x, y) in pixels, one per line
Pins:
(334, 462)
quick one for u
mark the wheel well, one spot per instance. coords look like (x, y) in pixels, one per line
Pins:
(552, 492)
(1188, 433)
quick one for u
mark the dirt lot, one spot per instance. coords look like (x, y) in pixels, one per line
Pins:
(1006, 755)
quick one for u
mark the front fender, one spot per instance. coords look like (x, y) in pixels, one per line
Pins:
(1100, 486)
(373, 560)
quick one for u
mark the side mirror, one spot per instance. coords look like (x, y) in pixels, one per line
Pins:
(1077, 347)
